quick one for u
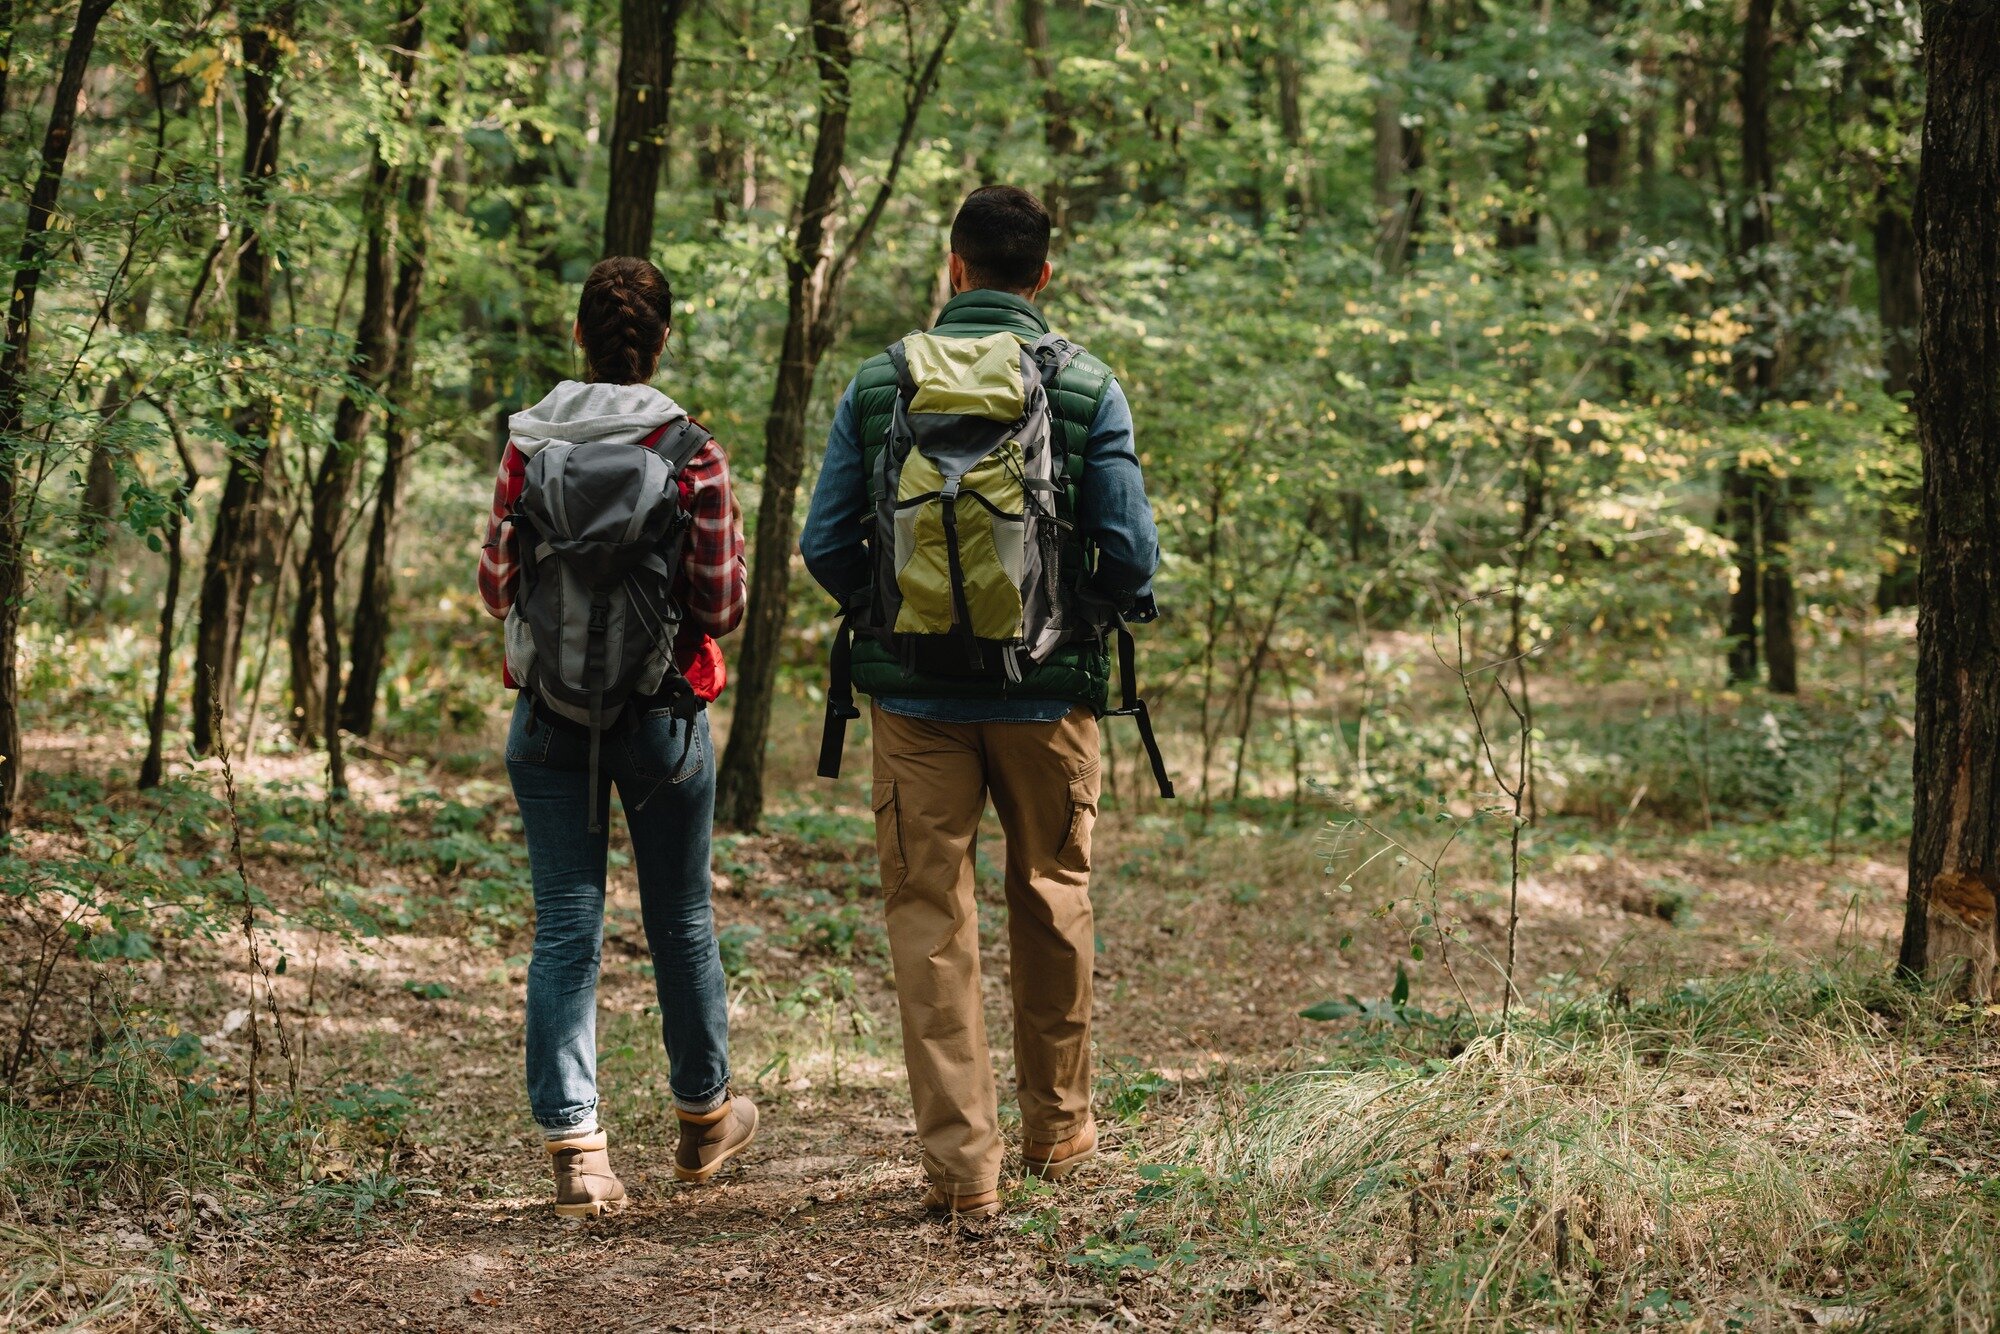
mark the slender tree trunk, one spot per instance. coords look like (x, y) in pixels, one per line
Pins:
(1758, 501)
(1955, 842)
(374, 353)
(316, 680)
(1399, 148)
(153, 768)
(525, 345)
(816, 274)
(28, 262)
(334, 480)
(649, 33)
(1301, 196)
(226, 573)
(1740, 507)
(1604, 149)
(810, 274)
(375, 604)
(1059, 133)
(1519, 223)
(1774, 539)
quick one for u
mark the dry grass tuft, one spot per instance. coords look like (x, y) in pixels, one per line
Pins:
(1738, 1151)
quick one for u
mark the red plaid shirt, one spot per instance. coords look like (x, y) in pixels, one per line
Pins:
(710, 589)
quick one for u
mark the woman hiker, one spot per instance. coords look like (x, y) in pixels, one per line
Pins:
(656, 752)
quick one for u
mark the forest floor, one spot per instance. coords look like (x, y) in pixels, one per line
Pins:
(1212, 941)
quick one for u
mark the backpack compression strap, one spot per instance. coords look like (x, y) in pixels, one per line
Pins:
(840, 708)
(593, 672)
(1131, 706)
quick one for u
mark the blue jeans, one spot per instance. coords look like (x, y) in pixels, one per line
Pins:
(666, 784)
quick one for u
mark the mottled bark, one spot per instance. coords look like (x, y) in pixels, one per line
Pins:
(1949, 930)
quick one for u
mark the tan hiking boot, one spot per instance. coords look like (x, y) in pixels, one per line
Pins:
(1053, 1162)
(712, 1138)
(585, 1183)
(941, 1204)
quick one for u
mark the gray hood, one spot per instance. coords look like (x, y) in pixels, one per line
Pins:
(576, 413)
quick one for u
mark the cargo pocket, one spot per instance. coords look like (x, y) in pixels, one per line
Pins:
(889, 836)
(1074, 854)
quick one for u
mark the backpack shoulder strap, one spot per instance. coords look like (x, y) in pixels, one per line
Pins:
(677, 442)
(1053, 353)
(900, 359)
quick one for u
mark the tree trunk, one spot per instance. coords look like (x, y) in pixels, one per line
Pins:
(316, 678)
(1741, 492)
(1519, 223)
(153, 768)
(1758, 501)
(525, 345)
(1949, 930)
(1399, 149)
(1604, 148)
(1646, 126)
(374, 605)
(739, 797)
(1059, 132)
(648, 35)
(816, 274)
(226, 573)
(1300, 195)
(334, 481)
(1774, 542)
(13, 390)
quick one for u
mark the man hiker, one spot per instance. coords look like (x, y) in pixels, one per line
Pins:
(981, 518)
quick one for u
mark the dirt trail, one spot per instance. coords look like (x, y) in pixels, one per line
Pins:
(1208, 953)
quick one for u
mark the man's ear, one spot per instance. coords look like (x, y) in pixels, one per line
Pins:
(576, 332)
(1043, 281)
(954, 269)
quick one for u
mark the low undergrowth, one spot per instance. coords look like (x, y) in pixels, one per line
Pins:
(1744, 1153)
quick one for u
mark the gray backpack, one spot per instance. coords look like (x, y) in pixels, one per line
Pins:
(601, 533)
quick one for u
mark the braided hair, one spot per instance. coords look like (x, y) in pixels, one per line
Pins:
(627, 305)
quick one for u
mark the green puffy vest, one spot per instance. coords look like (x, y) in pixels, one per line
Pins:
(1080, 673)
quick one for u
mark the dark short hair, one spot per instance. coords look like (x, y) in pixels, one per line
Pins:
(627, 304)
(1002, 234)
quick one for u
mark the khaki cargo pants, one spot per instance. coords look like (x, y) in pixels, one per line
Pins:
(931, 782)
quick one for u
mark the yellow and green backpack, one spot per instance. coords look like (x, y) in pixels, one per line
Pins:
(967, 544)
(976, 564)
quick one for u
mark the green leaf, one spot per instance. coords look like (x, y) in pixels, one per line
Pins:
(1331, 1009)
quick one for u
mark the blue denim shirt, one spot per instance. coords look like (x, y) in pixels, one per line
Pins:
(1111, 509)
